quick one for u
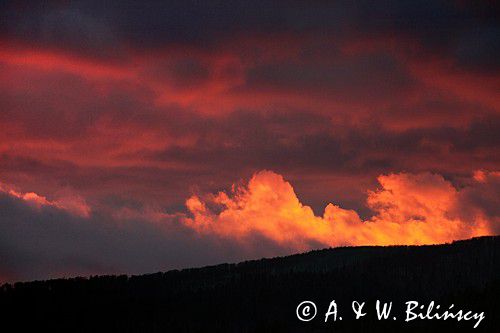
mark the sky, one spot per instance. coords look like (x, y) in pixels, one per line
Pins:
(140, 136)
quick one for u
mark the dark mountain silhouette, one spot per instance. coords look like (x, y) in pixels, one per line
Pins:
(262, 295)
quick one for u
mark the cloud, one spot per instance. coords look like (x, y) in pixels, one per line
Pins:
(366, 77)
(42, 238)
(408, 209)
(95, 28)
(139, 105)
(69, 202)
(151, 99)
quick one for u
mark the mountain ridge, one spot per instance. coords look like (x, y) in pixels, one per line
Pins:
(262, 295)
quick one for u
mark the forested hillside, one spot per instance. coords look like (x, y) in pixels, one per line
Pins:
(262, 295)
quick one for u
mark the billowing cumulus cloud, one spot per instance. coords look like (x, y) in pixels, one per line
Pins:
(42, 238)
(408, 209)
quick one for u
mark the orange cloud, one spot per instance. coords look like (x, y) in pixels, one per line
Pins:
(73, 204)
(409, 209)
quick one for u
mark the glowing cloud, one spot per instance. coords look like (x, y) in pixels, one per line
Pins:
(409, 209)
(73, 204)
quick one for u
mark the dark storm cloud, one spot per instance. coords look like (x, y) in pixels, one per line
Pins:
(42, 100)
(464, 29)
(67, 109)
(245, 141)
(185, 73)
(262, 141)
(44, 242)
(479, 49)
(366, 77)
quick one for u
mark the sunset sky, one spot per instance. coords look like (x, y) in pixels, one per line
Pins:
(141, 136)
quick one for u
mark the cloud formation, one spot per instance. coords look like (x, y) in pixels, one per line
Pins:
(69, 202)
(408, 209)
(41, 238)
